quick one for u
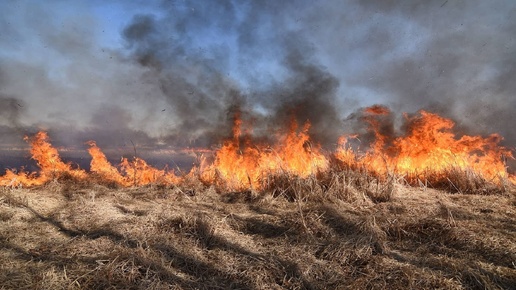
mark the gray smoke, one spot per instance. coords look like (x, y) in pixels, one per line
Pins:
(181, 69)
(195, 81)
(463, 68)
(10, 111)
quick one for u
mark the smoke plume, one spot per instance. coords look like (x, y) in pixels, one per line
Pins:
(170, 74)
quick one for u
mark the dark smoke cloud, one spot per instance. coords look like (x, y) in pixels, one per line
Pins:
(195, 90)
(196, 83)
(54, 77)
(307, 94)
(181, 69)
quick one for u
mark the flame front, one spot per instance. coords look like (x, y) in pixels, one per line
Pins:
(428, 147)
(132, 172)
(48, 160)
(243, 164)
(101, 166)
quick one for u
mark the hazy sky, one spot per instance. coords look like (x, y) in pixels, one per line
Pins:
(172, 72)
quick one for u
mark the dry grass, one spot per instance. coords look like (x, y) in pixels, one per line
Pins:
(330, 231)
(457, 180)
(454, 179)
(345, 185)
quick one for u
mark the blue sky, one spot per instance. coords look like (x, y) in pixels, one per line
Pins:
(167, 72)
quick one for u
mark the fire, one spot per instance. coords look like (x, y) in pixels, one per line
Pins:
(428, 147)
(47, 158)
(138, 172)
(101, 166)
(243, 164)
(13, 179)
(133, 172)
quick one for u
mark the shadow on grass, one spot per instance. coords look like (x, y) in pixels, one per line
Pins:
(163, 259)
(199, 229)
(441, 236)
(93, 234)
(446, 248)
(95, 274)
(257, 226)
(471, 275)
(342, 226)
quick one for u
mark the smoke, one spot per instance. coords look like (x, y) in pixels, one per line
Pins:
(308, 94)
(197, 82)
(171, 73)
(11, 128)
(10, 111)
(462, 67)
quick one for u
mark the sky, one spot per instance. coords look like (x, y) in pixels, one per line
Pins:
(170, 74)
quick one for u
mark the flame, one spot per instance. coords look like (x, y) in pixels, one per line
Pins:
(138, 172)
(428, 147)
(48, 160)
(101, 166)
(22, 178)
(345, 153)
(243, 164)
(135, 172)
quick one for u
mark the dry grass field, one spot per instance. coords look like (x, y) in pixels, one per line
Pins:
(295, 235)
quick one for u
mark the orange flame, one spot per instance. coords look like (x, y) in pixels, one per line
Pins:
(246, 165)
(136, 172)
(22, 178)
(101, 166)
(428, 146)
(47, 158)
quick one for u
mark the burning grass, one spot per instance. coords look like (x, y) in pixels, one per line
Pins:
(428, 154)
(287, 215)
(298, 233)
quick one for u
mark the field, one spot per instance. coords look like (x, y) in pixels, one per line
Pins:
(68, 235)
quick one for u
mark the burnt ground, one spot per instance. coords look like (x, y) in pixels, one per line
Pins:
(93, 237)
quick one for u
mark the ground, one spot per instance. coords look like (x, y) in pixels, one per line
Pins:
(66, 236)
